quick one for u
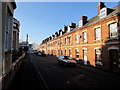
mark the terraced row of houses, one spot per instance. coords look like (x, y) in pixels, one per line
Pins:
(95, 41)
(9, 42)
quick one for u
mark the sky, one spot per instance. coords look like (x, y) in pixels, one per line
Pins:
(42, 19)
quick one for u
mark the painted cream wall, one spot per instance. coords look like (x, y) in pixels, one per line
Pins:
(7, 58)
(0, 46)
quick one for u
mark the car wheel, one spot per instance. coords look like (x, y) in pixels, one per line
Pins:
(75, 65)
(59, 62)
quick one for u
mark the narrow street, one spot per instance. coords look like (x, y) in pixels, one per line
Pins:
(36, 71)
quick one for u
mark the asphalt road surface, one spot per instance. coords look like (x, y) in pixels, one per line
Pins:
(38, 72)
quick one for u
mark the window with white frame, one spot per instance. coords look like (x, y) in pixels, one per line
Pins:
(65, 41)
(97, 33)
(77, 38)
(98, 57)
(70, 40)
(80, 23)
(113, 30)
(103, 12)
(84, 36)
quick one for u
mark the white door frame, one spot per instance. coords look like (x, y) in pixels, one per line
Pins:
(85, 57)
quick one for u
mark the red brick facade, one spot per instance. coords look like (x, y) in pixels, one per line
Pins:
(93, 42)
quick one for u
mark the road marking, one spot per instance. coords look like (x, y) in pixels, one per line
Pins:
(40, 75)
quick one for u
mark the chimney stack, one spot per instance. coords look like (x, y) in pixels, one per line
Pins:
(72, 25)
(83, 19)
(65, 28)
(100, 6)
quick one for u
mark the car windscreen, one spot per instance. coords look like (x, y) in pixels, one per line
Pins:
(65, 57)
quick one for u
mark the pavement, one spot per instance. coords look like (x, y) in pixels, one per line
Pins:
(44, 73)
(26, 78)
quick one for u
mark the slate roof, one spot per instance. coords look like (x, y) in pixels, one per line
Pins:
(115, 11)
(96, 19)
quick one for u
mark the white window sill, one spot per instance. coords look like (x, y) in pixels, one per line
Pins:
(85, 42)
(98, 40)
(113, 38)
(77, 42)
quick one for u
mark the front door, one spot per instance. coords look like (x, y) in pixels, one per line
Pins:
(77, 54)
(115, 60)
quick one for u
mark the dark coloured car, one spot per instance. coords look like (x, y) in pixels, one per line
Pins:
(66, 60)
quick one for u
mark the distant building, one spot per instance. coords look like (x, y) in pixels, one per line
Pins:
(93, 42)
(30, 50)
(6, 27)
(24, 46)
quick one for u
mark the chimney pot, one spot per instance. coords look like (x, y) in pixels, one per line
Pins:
(83, 18)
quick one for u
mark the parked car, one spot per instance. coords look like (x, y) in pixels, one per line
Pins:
(35, 52)
(66, 60)
(41, 54)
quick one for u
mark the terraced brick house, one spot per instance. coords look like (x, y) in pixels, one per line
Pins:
(93, 42)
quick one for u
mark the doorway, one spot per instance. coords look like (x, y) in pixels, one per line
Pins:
(85, 56)
(114, 60)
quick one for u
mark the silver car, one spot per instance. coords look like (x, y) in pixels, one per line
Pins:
(66, 60)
